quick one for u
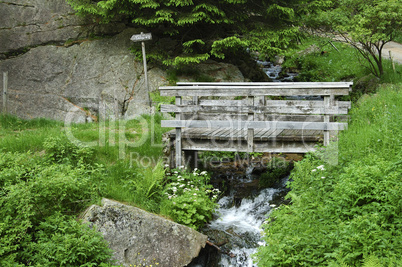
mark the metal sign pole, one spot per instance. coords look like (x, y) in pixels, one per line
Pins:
(141, 38)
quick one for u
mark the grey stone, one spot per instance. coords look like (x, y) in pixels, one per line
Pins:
(143, 239)
(28, 23)
(99, 78)
(217, 72)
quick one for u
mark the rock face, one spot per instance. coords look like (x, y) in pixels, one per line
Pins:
(76, 83)
(138, 237)
(27, 23)
(86, 80)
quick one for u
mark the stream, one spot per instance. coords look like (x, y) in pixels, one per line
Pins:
(236, 227)
(243, 222)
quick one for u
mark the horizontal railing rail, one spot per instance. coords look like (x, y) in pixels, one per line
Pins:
(249, 107)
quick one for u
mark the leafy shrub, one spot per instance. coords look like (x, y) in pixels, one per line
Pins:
(63, 241)
(60, 150)
(190, 199)
(29, 194)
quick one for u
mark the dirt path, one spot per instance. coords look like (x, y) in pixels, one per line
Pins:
(396, 51)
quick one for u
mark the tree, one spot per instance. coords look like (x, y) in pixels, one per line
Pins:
(367, 25)
(191, 31)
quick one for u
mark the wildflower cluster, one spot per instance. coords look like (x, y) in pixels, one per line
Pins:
(321, 168)
(190, 199)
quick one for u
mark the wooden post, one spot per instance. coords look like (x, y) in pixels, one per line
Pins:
(146, 73)
(141, 38)
(250, 131)
(5, 88)
(328, 102)
(178, 136)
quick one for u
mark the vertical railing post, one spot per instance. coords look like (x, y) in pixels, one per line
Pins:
(250, 131)
(5, 88)
(328, 102)
(178, 135)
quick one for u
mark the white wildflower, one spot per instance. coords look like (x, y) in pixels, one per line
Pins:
(321, 167)
(323, 177)
(313, 170)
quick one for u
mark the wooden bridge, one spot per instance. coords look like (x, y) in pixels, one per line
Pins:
(254, 117)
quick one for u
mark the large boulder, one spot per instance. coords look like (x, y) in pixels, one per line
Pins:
(143, 239)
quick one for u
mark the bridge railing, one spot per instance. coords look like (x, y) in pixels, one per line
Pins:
(253, 106)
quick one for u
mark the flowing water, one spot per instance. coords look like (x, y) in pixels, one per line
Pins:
(274, 72)
(244, 222)
(236, 227)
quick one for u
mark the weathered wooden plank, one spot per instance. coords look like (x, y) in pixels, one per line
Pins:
(273, 134)
(270, 103)
(333, 126)
(241, 135)
(260, 83)
(255, 109)
(250, 91)
(272, 147)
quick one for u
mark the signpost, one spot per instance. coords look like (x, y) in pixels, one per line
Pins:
(142, 38)
(5, 86)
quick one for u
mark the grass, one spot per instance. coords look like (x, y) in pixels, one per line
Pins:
(128, 151)
(325, 63)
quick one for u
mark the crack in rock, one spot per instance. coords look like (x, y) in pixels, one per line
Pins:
(17, 4)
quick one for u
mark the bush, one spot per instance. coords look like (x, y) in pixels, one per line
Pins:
(189, 198)
(63, 241)
(33, 191)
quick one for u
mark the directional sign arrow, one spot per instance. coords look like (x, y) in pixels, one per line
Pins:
(141, 37)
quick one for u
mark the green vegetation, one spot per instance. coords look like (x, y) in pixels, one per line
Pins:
(189, 32)
(346, 214)
(277, 169)
(320, 59)
(365, 25)
(190, 199)
(50, 172)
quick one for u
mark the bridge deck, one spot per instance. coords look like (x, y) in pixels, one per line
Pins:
(259, 134)
(236, 140)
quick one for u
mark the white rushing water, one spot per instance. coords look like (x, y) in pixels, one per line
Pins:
(244, 221)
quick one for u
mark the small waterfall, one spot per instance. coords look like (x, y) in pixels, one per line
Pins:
(236, 227)
(274, 72)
